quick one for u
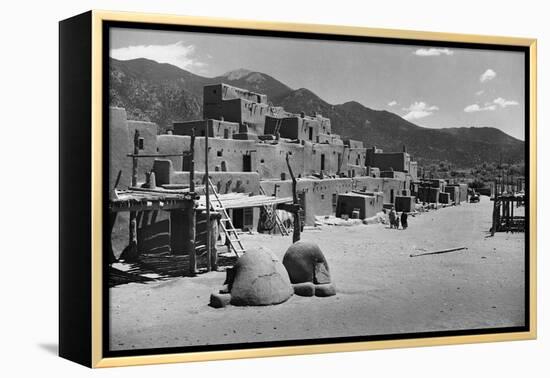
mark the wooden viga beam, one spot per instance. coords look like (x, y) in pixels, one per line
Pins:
(188, 153)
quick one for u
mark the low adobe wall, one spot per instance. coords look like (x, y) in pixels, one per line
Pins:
(318, 197)
(391, 187)
(368, 205)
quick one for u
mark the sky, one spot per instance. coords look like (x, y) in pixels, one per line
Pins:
(430, 86)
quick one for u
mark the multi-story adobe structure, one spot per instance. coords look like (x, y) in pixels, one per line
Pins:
(247, 148)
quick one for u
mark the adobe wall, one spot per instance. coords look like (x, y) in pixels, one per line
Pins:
(272, 159)
(216, 93)
(351, 143)
(266, 159)
(314, 155)
(393, 174)
(119, 147)
(121, 143)
(398, 161)
(288, 127)
(413, 170)
(298, 127)
(318, 195)
(148, 131)
(368, 205)
(243, 111)
(225, 182)
(379, 184)
(216, 128)
(224, 154)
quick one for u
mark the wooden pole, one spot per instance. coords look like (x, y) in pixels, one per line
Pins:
(192, 163)
(190, 235)
(191, 219)
(214, 252)
(132, 240)
(207, 195)
(135, 159)
(439, 252)
(495, 216)
(297, 221)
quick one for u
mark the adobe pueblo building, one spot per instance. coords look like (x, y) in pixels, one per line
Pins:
(248, 143)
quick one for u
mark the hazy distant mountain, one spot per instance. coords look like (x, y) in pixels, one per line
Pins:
(463, 147)
(254, 81)
(163, 93)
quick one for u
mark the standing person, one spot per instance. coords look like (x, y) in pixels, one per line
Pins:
(397, 221)
(393, 216)
(404, 221)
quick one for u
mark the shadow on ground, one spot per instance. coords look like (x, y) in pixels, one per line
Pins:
(151, 267)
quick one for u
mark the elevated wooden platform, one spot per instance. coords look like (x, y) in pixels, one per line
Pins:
(243, 200)
(141, 199)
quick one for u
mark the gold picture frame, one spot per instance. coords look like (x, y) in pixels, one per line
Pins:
(90, 329)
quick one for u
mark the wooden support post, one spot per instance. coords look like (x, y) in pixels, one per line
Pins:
(132, 240)
(190, 215)
(512, 214)
(207, 195)
(192, 163)
(190, 239)
(297, 221)
(214, 252)
(495, 210)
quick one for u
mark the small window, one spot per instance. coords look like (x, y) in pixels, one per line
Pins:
(220, 153)
(322, 196)
(262, 161)
(141, 142)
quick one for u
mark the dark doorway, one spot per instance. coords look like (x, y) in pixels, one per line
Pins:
(238, 218)
(243, 218)
(392, 196)
(311, 133)
(186, 163)
(247, 163)
(322, 162)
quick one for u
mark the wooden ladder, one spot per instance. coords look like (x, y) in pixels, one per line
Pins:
(278, 124)
(271, 213)
(226, 224)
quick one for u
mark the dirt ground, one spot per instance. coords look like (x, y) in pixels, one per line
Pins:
(380, 288)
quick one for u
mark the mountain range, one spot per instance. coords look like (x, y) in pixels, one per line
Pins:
(163, 93)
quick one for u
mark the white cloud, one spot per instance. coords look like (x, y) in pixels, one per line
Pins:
(476, 108)
(487, 75)
(479, 93)
(419, 109)
(490, 106)
(392, 103)
(504, 103)
(433, 52)
(178, 54)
